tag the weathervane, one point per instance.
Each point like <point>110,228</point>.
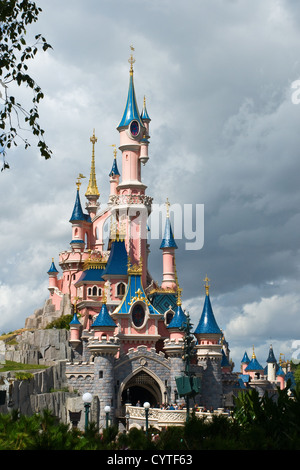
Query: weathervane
<point>168,207</point>
<point>131,59</point>
<point>115,150</point>
<point>78,182</point>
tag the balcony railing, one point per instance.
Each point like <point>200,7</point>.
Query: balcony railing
<point>160,418</point>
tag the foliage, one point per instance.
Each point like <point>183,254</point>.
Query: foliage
<point>11,365</point>
<point>23,376</point>
<point>15,17</point>
<point>257,423</point>
<point>270,421</point>
<point>61,323</point>
<point>297,376</point>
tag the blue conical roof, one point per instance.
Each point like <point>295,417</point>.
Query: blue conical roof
<point>245,359</point>
<point>145,115</point>
<point>280,371</point>
<point>131,109</point>
<point>114,170</point>
<point>207,323</point>
<point>52,268</point>
<point>168,240</point>
<point>178,319</point>
<point>104,318</point>
<point>77,211</point>
<point>271,357</point>
<point>253,364</point>
<point>75,320</point>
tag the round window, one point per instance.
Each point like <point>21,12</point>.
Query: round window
<point>138,315</point>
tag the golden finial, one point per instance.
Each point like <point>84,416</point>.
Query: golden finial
<point>206,285</point>
<point>253,354</point>
<point>168,207</point>
<point>179,290</point>
<point>75,303</point>
<point>104,296</point>
<point>115,150</point>
<point>131,60</point>
<point>78,182</point>
<point>92,189</point>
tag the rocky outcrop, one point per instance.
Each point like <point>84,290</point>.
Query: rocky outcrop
<point>43,347</point>
<point>43,316</point>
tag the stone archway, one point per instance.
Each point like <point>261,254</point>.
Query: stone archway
<point>142,386</point>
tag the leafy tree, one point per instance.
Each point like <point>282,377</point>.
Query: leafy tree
<point>15,53</point>
<point>62,322</point>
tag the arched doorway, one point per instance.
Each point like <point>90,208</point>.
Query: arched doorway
<point>142,387</point>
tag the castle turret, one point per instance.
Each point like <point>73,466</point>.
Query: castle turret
<point>272,364</point>
<point>280,377</point>
<point>244,362</point>
<point>104,346</point>
<point>173,346</point>
<point>168,247</point>
<point>79,220</point>
<point>209,354</point>
<point>52,273</point>
<point>254,369</point>
<point>132,205</point>
<point>75,330</point>
<point>114,175</point>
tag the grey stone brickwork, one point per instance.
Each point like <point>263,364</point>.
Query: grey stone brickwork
<point>211,385</point>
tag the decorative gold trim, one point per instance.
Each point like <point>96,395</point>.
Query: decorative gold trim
<point>135,268</point>
<point>139,296</point>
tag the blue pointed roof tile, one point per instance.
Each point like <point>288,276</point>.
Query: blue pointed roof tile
<point>254,365</point>
<point>75,320</point>
<point>104,318</point>
<point>271,357</point>
<point>280,371</point>
<point>52,268</point>
<point>114,170</point>
<point>245,359</point>
<point>118,258</point>
<point>178,319</point>
<point>168,240</point>
<point>77,213</point>
<point>207,323</point>
<point>145,115</point>
<point>131,111</point>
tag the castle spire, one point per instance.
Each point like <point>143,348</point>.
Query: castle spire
<point>131,112</point>
<point>92,189</point>
<point>207,323</point>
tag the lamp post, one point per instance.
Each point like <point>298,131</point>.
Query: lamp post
<point>146,407</point>
<point>107,411</point>
<point>87,400</point>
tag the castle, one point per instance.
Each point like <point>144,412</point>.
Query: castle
<point>126,333</point>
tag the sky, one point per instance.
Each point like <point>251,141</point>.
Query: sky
<point>220,80</point>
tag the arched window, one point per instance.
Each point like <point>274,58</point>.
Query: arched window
<point>169,317</point>
<point>95,291</point>
<point>99,291</point>
<point>121,289</point>
<point>89,291</point>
